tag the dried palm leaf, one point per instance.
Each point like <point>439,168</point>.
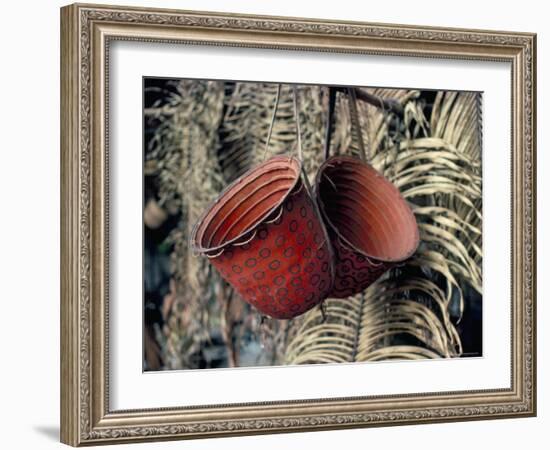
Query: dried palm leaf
<point>185,147</point>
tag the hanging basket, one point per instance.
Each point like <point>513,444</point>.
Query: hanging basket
<point>266,238</point>
<point>370,224</point>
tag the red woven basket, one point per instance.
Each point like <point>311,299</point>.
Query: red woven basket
<point>370,224</point>
<point>266,238</point>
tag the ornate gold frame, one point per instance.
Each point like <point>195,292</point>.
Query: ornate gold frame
<point>86,31</point>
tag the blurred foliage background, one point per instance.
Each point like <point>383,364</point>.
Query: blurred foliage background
<point>201,135</point>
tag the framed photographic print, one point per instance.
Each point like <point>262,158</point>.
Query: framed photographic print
<point>276,224</point>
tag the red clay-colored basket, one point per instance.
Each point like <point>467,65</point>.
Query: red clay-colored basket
<point>266,238</point>
<point>370,224</point>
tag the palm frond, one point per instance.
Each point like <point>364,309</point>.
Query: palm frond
<point>357,328</point>
<point>248,114</point>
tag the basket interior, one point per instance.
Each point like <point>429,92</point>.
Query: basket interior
<point>365,209</point>
<point>247,202</point>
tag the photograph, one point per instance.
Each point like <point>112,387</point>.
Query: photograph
<point>292,223</point>
<point>288,224</point>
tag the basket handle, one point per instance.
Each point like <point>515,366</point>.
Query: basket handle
<point>277,97</point>
<point>297,118</point>
<point>355,122</point>
<point>330,116</point>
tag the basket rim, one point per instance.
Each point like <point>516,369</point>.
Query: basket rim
<point>334,228</point>
<point>197,246</point>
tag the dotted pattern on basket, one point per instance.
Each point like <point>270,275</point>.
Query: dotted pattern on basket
<point>285,270</point>
<point>354,272</point>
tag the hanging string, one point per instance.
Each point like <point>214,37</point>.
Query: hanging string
<point>277,97</point>
<point>297,117</point>
<point>299,133</point>
<point>396,142</point>
<point>330,115</point>
<point>352,102</point>
<point>369,150</point>
<point>392,140</point>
